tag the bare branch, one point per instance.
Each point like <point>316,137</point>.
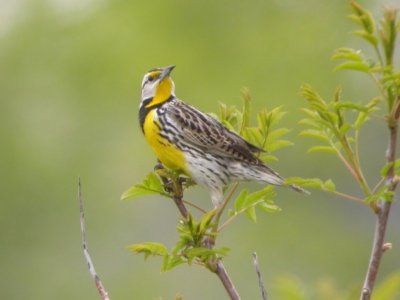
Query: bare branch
<point>377,251</point>
<point>226,281</point>
<point>264,293</point>
<point>99,285</point>
<point>378,247</point>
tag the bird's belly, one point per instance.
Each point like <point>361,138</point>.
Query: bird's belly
<point>207,170</point>
<point>169,155</point>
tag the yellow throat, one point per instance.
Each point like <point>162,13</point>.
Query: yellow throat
<point>169,155</point>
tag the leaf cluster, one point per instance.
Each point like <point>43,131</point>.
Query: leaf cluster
<point>248,202</point>
<point>381,36</point>
<point>336,124</point>
<point>264,134</point>
<point>191,247</point>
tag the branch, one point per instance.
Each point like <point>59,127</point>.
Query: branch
<point>181,207</point>
<point>218,266</point>
<point>378,247</point>
<point>264,293</point>
<point>226,281</point>
<point>99,285</point>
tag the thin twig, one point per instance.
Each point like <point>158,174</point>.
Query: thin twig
<point>380,182</point>
<point>348,165</point>
<point>264,293</point>
<point>350,197</point>
<point>233,217</point>
<point>225,203</point>
<point>194,206</point>
<point>99,285</point>
<point>382,218</point>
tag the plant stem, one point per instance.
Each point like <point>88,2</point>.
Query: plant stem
<point>218,266</point>
<point>377,251</point>
<point>181,207</point>
<point>226,281</point>
<point>99,285</point>
<point>194,206</point>
<point>224,204</point>
<point>382,217</point>
<point>350,197</point>
<point>264,293</point>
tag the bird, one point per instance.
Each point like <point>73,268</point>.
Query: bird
<point>195,143</point>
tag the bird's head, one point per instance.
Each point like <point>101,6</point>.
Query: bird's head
<point>158,86</point>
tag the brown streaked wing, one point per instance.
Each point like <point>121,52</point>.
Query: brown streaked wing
<point>206,133</point>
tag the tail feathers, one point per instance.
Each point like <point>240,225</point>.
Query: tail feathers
<point>274,178</point>
<point>261,173</point>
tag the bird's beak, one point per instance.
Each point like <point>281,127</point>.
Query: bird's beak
<point>166,71</point>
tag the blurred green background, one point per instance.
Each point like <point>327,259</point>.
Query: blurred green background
<point>70,74</point>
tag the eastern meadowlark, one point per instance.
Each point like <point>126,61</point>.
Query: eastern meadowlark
<point>195,143</point>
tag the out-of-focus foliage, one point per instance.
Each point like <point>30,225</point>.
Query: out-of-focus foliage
<point>70,74</point>
<point>289,287</point>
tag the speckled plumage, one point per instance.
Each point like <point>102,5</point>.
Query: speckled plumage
<point>187,139</point>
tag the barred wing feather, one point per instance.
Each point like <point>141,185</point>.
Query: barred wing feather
<point>203,131</point>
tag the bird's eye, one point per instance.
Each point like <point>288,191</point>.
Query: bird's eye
<point>150,78</point>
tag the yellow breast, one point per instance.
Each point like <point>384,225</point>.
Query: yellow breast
<point>167,153</point>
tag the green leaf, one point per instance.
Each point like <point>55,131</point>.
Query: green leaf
<point>385,169</point>
<point>266,192</point>
<point>314,99</point>
<point>351,106</point>
<point>206,220</point>
<point>251,213</point>
<point>231,117</point>
<point>321,149</point>
<point>200,252</point>
<point>248,202</point>
<point>149,248</point>
<point>310,123</point>
<point>277,133</point>
<point>361,119</point>
<point>309,112</point>
<point>363,17</point>
<point>372,39</point>
<point>246,109</point>
<point>355,66</point>
<point>266,157</point>
<point>228,125</point>
<point>317,134</point>
<point>382,194</point>
<point>348,54</point>
<point>344,129</point>
<point>276,145</point>
<point>170,262</point>
<point>151,185</point>
<point>269,207</point>
<point>240,200</point>
<point>267,120</point>
<point>329,186</point>
<point>254,135</point>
